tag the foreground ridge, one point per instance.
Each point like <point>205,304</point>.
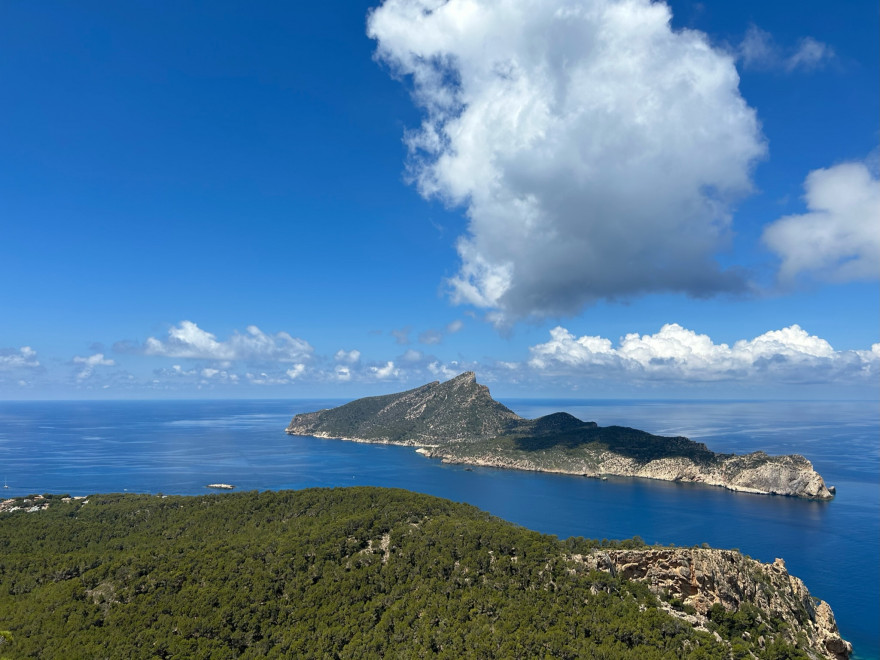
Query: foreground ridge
<point>374,572</point>
<point>459,422</point>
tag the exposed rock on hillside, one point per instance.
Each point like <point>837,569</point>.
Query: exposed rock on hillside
<point>702,578</point>
<point>459,422</point>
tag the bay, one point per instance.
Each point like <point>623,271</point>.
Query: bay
<point>178,447</point>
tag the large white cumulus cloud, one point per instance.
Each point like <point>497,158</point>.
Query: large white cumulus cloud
<point>595,149</point>
<point>678,354</point>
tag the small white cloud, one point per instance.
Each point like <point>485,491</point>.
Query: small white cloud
<point>411,355</point>
<point>385,372</point>
<point>442,371</point>
<point>810,54</point>
<point>401,336</point>
<point>209,373</point>
<point>792,342</point>
<point>89,363</point>
<point>429,337</point>
<point>265,379</point>
<point>21,358</point>
<point>188,340</point>
<point>758,50</point>
<point>678,354</point>
<point>96,360</point>
<point>348,357</point>
<point>276,378</point>
<point>436,336</point>
<point>342,374</point>
<point>838,238</point>
<point>564,348</point>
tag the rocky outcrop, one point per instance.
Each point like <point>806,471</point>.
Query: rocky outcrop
<point>696,579</point>
<point>459,422</point>
<point>781,475</point>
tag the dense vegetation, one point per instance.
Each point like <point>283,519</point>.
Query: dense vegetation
<point>323,573</point>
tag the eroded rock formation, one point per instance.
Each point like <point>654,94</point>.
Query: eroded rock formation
<point>703,577</point>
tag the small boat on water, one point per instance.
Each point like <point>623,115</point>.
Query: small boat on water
<point>221,486</point>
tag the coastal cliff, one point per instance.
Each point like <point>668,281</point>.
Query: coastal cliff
<point>702,585</point>
<point>791,475</point>
<point>459,422</point>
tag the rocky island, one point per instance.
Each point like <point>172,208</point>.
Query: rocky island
<point>459,422</point>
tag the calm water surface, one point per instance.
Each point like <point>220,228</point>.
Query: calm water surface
<point>178,447</point>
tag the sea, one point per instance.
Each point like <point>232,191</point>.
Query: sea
<point>179,447</point>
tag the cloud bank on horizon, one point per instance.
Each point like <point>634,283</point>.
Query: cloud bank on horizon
<point>676,353</point>
<point>597,152</point>
<point>193,356</point>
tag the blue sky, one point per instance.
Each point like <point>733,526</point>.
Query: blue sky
<point>585,199</point>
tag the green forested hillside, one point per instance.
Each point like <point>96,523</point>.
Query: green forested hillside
<point>324,573</point>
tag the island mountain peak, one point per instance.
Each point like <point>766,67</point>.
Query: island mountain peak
<point>457,410</point>
<point>458,421</point>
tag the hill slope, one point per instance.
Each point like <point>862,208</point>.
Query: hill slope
<point>368,572</point>
<point>459,422</point>
<point>459,409</point>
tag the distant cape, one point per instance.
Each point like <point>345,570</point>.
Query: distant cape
<point>458,421</point>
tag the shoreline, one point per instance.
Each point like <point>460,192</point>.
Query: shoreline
<point>696,476</point>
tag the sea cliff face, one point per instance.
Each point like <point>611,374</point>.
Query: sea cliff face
<point>702,577</point>
<point>752,473</point>
<point>459,422</point>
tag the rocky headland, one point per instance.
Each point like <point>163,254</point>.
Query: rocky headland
<point>459,422</point>
<point>693,581</point>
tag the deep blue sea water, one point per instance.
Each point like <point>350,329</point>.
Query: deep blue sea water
<point>178,447</point>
